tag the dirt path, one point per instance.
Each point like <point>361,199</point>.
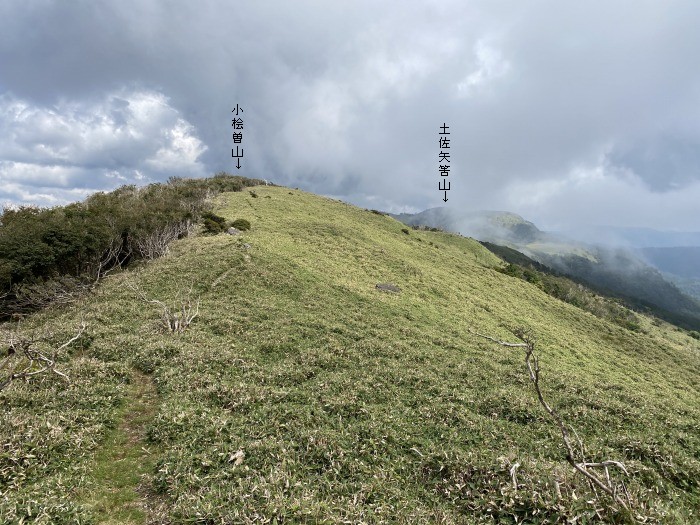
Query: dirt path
<point>124,459</point>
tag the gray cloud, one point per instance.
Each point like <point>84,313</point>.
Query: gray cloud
<point>664,163</point>
<point>561,112</point>
<point>50,154</point>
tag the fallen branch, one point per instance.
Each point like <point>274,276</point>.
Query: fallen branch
<point>580,465</point>
<point>23,360</point>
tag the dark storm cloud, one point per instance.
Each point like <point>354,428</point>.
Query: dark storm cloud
<point>563,112</point>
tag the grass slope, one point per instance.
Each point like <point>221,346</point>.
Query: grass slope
<point>303,394</point>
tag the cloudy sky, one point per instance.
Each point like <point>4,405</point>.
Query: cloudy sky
<point>568,113</point>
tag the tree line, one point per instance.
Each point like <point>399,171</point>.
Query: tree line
<point>48,255</point>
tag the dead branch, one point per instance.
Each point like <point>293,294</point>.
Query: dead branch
<point>114,257</point>
<point>512,475</point>
<point>60,290</point>
<point>156,243</point>
<point>23,360</point>
<point>578,463</point>
<point>176,319</point>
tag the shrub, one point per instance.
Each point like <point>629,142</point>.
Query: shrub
<point>213,223</point>
<point>405,230</point>
<point>241,224</point>
<point>532,277</point>
<point>423,228</point>
<point>511,270</point>
<point>215,218</point>
<point>41,247</point>
<point>213,227</point>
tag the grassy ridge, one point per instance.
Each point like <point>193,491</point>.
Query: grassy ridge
<point>303,394</point>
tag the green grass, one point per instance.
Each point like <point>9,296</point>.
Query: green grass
<point>117,494</point>
<point>301,394</point>
<point>560,248</point>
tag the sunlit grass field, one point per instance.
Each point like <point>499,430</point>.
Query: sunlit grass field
<point>302,394</point>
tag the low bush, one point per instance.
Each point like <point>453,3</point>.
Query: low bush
<point>213,227</point>
<point>423,228</point>
<point>213,223</point>
<point>214,217</point>
<point>241,224</point>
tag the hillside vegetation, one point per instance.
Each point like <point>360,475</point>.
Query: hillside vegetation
<point>50,255</point>
<point>302,394</point>
<point>614,272</point>
<point>520,265</point>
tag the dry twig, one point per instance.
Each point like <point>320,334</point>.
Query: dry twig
<point>578,463</point>
<point>512,475</point>
<point>177,319</point>
<point>23,360</point>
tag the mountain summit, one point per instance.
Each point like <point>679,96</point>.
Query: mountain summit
<point>491,225</point>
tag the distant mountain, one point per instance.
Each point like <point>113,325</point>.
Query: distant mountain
<point>492,225</point>
<point>607,268</point>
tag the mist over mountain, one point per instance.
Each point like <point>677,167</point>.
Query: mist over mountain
<point>683,261</point>
<point>676,254</point>
<point>633,237</point>
<point>483,224</point>
<point>680,265</point>
<point>615,268</point>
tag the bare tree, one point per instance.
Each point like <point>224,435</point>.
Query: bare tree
<point>156,243</point>
<point>114,256</point>
<point>23,359</point>
<point>173,319</point>
<point>576,458</point>
<point>59,290</point>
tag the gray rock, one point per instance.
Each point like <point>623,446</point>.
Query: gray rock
<point>388,287</point>
<point>233,231</point>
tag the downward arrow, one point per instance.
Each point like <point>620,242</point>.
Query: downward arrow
<point>445,199</point>
<point>238,163</point>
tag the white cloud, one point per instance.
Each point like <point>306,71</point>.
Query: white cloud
<point>123,137</point>
<point>490,65</point>
<point>603,195</point>
<point>179,152</point>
